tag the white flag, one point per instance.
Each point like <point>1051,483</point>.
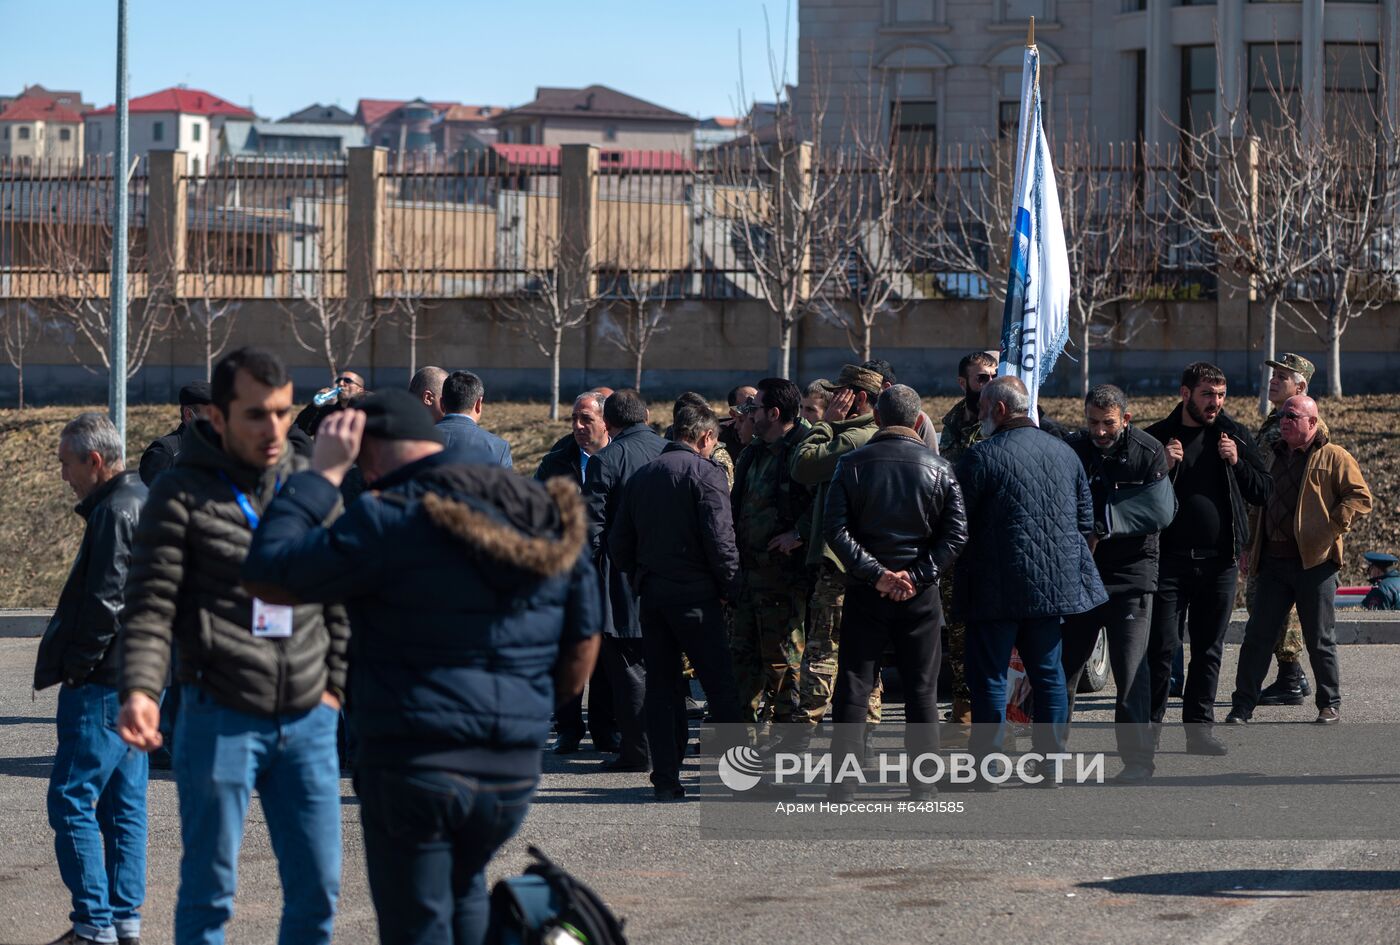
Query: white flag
<point>1035,322</point>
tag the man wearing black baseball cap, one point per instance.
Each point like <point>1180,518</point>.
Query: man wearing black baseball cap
<point>165,450</point>
<point>475,610</point>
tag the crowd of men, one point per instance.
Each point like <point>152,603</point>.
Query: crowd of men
<point>376,554</point>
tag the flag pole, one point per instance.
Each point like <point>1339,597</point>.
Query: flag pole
<point>1030,34</point>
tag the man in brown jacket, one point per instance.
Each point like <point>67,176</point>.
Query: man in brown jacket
<point>1318,493</point>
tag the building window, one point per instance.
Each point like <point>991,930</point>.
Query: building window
<point>914,124</point>
<point>1351,79</point>
<point>1274,83</point>
<point>1198,80</point>
<point>24,132</point>
<point>194,165</point>
<point>911,12</point>
<point>610,133</point>
<point>7,132</point>
<point>194,132</point>
<point>1140,95</point>
<point>65,134</point>
<point>1009,105</point>
<point>158,131</point>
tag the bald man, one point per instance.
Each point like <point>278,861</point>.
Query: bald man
<point>427,387</point>
<point>1318,493</point>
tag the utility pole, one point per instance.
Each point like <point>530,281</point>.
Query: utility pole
<point>116,381</point>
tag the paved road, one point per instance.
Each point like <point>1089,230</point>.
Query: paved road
<point>677,880</point>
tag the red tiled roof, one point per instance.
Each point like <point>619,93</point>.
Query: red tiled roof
<point>472,112</point>
<point>373,110</point>
<point>544,155</point>
<point>39,109</point>
<point>188,101</point>
<point>723,122</point>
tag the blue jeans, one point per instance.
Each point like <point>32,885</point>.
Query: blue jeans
<point>988,655</point>
<point>428,837</point>
<point>221,755</point>
<point>97,808</point>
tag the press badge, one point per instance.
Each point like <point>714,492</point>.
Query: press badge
<point>271,620</point>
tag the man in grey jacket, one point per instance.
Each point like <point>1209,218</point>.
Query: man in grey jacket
<point>262,683</point>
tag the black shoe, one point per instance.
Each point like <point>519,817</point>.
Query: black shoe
<point>566,746</point>
<point>1328,716</point>
<point>1290,688</point>
<point>667,795</point>
<point>623,766</point>
<point>1203,741</point>
<point>1236,717</point>
<point>1133,773</point>
<point>608,746</point>
<point>71,937</point>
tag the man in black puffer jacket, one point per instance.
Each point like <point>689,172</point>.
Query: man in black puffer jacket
<point>475,610</point>
<point>262,683</point>
<point>97,789</point>
<point>1027,563</point>
<point>894,516</point>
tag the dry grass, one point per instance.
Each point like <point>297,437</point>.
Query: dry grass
<point>39,533</point>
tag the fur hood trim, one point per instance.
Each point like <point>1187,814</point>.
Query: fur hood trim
<point>545,556</point>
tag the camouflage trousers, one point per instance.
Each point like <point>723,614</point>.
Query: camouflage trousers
<point>819,660</point>
<point>766,645</point>
<point>1289,648</point>
<point>956,652</point>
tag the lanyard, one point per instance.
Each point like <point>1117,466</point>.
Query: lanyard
<point>250,513</point>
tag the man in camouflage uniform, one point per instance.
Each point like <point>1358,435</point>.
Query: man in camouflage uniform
<point>1291,374</point>
<point>960,430</point>
<point>769,616</point>
<point>847,423</point>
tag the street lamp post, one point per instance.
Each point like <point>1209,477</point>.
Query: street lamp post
<point>116,382</point>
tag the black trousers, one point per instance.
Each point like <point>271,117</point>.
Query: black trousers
<point>1128,620</point>
<point>601,720</point>
<point>1205,589</point>
<point>627,675</point>
<point>1282,583</point>
<point>697,631</point>
<point>870,623</point>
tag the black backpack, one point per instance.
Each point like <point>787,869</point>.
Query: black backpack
<point>547,906</point>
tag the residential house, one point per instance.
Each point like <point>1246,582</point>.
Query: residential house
<point>308,139</point>
<point>68,99</point>
<point>597,115</point>
<point>40,129</point>
<point>713,132</point>
<point>319,114</point>
<point>465,128</point>
<point>400,125</point>
<point>178,119</point>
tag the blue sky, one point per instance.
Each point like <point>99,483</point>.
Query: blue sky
<point>281,56</point>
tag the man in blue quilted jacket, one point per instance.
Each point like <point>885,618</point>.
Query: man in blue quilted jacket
<point>1027,563</point>
<point>475,609</point>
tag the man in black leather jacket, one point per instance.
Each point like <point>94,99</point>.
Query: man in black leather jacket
<point>894,516</point>
<point>97,790</point>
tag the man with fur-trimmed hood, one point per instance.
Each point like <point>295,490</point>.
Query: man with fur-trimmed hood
<point>475,610</point>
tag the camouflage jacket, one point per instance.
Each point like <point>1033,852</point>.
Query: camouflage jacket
<point>767,502</point>
<point>959,433</point>
<point>1268,434</point>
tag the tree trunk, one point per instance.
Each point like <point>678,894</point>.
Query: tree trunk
<point>554,358</point>
<point>641,347</point>
<point>19,378</point>
<point>1084,356</point>
<point>785,348</point>
<point>1334,357</point>
<point>867,334</point>
<point>1270,342</point>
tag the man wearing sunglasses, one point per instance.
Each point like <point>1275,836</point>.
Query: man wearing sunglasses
<point>1318,494</point>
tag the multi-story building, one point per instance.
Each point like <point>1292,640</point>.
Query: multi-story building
<point>400,125</point>
<point>949,71</point>
<point>68,99</point>
<point>177,119</point>
<point>38,129</point>
<point>320,115</point>
<point>597,115</point>
<point>465,127</point>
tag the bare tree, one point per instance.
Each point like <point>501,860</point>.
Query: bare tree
<point>324,319</point>
<point>1111,242</point>
<point>642,284</point>
<point>781,192</point>
<point>1256,196</point>
<point>411,273</point>
<point>880,224</point>
<point>212,255</point>
<point>969,207</point>
<point>20,326</point>
<point>559,293</point>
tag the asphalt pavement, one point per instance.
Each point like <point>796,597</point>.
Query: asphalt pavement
<point>677,879</point>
